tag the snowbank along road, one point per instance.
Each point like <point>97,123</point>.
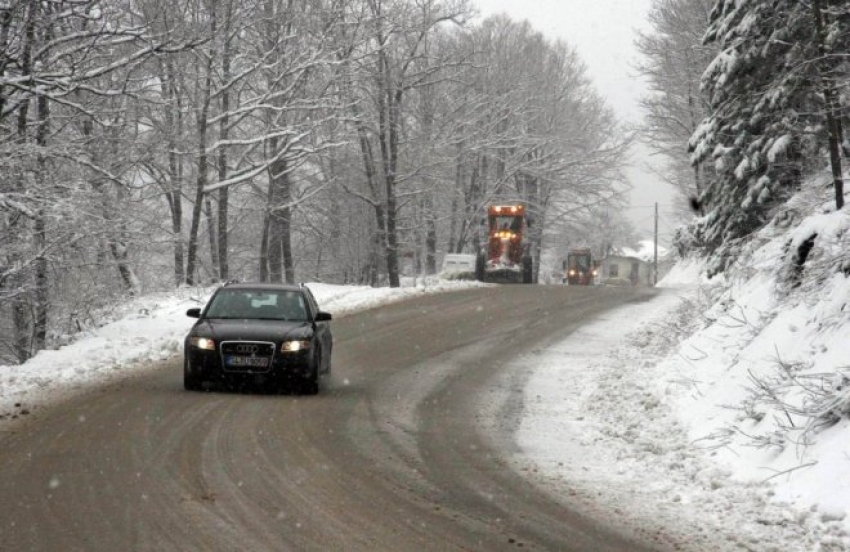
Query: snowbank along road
<point>390,456</point>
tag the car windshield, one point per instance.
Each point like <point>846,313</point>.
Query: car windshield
<point>582,262</point>
<point>263,305</point>
<point>502,222</point>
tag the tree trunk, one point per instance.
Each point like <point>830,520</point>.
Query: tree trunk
<point>430,235</point>
<point>275,253</point>
<point>430,217</point>
<point>224,135</point>
<point>175,204</point>
<point>370,171</point>
<point>201,181</point>
<point>211,235</point>
<point>20,322</point>
<point>280,219</point>
<point>128,278</point>
<point>535,208</point>
<point>42,290</point>
<point>833,123</point>
<point>173,188</point>
<point>264,247</point>
<point>430,245</point>
<point>118,241</point>
<point>42,293</point>
<point>474,206</point>
<point>223,262</point>
<point>418,250</point>
<point>458,190</point>
<point>20,300</point>
<point>373,267</point>
<point>277,236</point>
<point>389,129</point>
<point>273,258</point>
<point>286,226</point>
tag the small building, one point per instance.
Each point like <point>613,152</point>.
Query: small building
<point>626,270</point>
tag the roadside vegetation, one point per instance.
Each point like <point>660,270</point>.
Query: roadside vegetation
<point>161,144</point>
<point>750,106</point>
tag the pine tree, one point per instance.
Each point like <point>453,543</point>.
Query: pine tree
<point>768,115</point>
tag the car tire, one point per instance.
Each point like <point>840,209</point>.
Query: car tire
<point>191,382</point>
<point>327,371</point>
<point>310,385</point>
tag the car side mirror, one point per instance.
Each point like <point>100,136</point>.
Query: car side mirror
<point>193,313</point>
<point>322,316</point>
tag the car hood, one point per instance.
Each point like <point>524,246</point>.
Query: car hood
<point>252,330</point>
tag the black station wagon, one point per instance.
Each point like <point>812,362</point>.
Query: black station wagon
<point>268,334</point>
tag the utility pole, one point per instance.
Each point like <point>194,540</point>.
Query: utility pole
<point>655,250</point>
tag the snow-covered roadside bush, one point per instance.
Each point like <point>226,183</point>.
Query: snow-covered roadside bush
<point>84,322</point>
<point>765,382</point>
<point>688,318</point>
<point>611,424</point>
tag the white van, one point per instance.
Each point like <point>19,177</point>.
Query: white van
<point>457,263</point>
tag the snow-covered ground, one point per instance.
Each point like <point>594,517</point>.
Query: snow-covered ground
<point>717,415</point>
<point>152,328</point>
<point>608,423</point>
<point>714,417</point>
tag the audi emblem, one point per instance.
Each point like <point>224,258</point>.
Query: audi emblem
<point>247,349</point>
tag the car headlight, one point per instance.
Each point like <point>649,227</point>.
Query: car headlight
<point>294,346</point>
<point>204,343</point>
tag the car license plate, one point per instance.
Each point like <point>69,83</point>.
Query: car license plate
<point>247,362</point>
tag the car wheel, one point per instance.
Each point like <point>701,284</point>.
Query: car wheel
<point>310,385</point>
<point>191,382</point>
<point>327,371</point>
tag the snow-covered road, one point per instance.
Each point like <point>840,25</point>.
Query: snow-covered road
<point>602,423</point>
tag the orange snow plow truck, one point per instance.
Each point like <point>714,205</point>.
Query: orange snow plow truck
<point>507,255</point>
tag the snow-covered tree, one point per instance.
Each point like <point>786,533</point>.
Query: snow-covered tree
<point>390,69</point>
<point>770,114</point>
<point>65,69</point>
<point>171,143</point>
<point>534,131</point>
<point>674,58</point>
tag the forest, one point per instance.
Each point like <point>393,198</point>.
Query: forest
<point>749,99</point>
<point>150,144</point>
<point>153,144</point>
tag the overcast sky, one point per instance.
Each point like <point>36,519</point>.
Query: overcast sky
<point>603,33</point>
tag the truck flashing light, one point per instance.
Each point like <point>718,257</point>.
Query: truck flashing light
<point>511,208</point>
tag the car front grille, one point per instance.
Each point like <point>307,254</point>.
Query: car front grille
<point>247,356</point>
